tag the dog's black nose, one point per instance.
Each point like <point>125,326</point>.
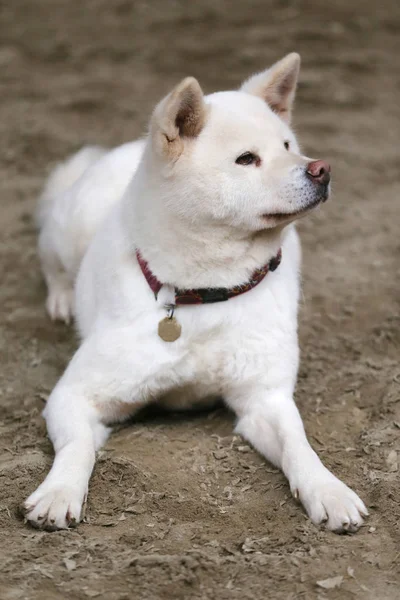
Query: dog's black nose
<point>319,171</point>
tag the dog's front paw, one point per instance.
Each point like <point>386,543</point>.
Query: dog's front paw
<point>52,508</point>
<point>328,500</point>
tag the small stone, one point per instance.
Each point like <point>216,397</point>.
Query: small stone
<point>392,461</point>
<point>220,454</point>
<point>244,449</point>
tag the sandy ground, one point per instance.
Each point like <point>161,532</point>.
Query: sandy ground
<point>179,507</point>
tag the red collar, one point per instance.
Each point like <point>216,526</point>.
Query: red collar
<point>209,295</point>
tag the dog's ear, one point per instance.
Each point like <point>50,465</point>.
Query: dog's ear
<point>179,117</point>
<point>277,85</point>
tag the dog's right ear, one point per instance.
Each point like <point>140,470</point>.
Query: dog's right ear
<point>178,118</point>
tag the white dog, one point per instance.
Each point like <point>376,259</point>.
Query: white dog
<point>173,246</point>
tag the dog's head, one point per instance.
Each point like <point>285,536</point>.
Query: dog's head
<point>232,157</point>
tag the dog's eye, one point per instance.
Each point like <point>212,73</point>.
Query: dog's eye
<point>247,158</point>
<point>287,145</point>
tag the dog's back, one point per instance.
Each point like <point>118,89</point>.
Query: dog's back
<point>63,177</point>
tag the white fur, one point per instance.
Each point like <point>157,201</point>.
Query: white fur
<point>199,219</point>
<point>76,199</point>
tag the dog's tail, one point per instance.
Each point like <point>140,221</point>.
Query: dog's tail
<point>63,176</point>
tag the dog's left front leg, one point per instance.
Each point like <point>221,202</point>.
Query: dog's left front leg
<point>271,422</point>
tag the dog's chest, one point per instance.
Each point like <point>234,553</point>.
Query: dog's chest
<point>224,346</point>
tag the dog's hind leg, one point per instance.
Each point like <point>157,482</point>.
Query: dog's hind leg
<point>56,240</point>
<point>270,421</point>
<point>60,283</point>
<point>60,297</point>
<point>98,387</point>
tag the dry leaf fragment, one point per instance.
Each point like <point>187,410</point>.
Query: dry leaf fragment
<point>69,563</point>
<point>331,582</point>
<point>135,510</point>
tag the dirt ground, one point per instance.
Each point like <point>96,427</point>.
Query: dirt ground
<point>179,507</point>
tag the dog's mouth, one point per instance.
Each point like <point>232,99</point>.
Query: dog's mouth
<point>290,216</point>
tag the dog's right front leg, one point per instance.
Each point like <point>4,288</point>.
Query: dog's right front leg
<point>76,413</point>
<point>76,432</point>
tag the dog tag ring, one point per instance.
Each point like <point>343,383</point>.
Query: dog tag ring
<point>169,329</point>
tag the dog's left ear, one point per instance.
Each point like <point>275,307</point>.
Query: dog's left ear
<point>277,85</point>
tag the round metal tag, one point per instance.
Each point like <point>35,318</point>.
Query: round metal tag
<point>169,329</point>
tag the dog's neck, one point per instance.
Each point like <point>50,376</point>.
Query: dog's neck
<point>186,256</point>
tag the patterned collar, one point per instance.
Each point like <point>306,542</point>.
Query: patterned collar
<point>209,295</point>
